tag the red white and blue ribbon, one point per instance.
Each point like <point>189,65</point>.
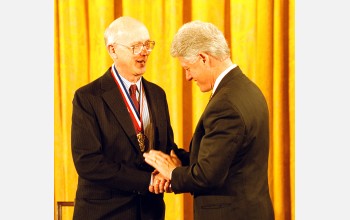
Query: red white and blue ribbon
<point>135,116</point>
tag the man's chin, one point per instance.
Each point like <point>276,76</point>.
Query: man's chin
<point>139,73</point>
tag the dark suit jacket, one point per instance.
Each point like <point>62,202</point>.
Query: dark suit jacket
<point>229,151</point>
<point>113,177</point>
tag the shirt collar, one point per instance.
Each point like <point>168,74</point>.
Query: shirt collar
<point>221,76</point>
<point>128,84</point>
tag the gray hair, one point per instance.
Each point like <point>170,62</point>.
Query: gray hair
<point>197,36</point>
<point>119,25</point>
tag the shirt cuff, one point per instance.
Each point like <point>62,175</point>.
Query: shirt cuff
<point>171,174</point>
<point>151,182</point>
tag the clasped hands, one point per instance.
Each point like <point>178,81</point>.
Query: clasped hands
<point>164,165</point>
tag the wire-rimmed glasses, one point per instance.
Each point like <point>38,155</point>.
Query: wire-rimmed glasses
<point>137,48</point>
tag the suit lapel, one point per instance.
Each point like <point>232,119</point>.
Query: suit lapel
<point>115,102</point>
<point>150,100</point>
<point>199,130</point>
<point>152,103</point>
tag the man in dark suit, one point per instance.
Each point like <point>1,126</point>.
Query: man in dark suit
<point>110,131</point>
<point>227,172</point>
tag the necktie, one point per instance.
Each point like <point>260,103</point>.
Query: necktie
<point>132,90</point>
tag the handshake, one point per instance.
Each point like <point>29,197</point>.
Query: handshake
<point>164,165</point>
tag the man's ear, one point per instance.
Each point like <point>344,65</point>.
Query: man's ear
<point>112,51</point>
<point>203,56</point>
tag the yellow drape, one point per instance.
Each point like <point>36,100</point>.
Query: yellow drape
<point>261,38</point>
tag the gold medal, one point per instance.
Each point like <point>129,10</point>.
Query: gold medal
<point>142,139</point>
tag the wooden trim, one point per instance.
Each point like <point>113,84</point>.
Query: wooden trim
<point>60,204</point>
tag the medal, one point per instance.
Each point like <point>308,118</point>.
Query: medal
<point>142,139</point>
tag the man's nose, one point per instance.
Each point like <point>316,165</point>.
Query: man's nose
<point>144,50</point>
<point>188,76</point>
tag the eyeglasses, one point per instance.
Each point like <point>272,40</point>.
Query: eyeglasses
<point>137,48</point>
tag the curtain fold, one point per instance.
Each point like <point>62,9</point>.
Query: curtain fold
<point>261,38</point>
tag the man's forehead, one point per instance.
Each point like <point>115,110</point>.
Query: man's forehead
<point>133,36</point>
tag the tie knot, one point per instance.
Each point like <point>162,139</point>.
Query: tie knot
<point>133,89</point>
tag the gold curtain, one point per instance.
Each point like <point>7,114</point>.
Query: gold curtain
<point>261,38</point>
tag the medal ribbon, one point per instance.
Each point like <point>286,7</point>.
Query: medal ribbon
<point>135,116</point>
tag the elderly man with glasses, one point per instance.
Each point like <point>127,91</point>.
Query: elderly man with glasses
<point>111,128</point>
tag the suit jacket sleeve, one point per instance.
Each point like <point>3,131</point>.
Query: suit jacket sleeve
<point>218,128</point>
